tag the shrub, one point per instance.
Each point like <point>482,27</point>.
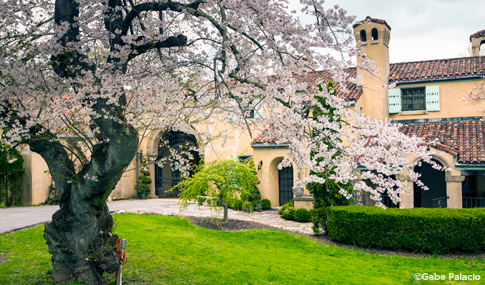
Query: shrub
<point>252,196</point>
<point>301,215</point>
<point>235,204</point>
<point>11,173</point>
<point>319,219</point>
<point>265,204</point>
<point>439,230</point>
<point>288,213</point>
<point>257,206</point>
<point>247,206</point>
<point>288,205</point>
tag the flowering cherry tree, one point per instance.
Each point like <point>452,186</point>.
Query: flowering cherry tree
<point>81,81</point>
<point>477,94</point>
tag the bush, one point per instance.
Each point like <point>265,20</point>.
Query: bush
<point>290,204</point>
<point>253,196</point>
<point>301,215</point>
<point>439,230</point>
<point>247,206</point>
<point>257,206</point>
<point>265,204</point>
<point>319,219</point>
<point>235,204</point>
<point>11,173</point>
<point>288,213</point>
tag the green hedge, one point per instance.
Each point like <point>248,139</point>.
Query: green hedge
<point>420,229</point>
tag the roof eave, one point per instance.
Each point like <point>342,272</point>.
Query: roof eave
<point>447,78</point>
<point>269,145</point>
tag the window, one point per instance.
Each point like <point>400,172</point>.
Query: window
<point>363,36</point>
<point>374,34</point>
<point>413,99</point>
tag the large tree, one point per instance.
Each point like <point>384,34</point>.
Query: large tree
<point>81,81</point>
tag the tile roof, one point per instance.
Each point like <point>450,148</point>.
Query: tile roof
<point>465,138</point>
<point>373,20</point>
<point>268,136</point>
<point>437,69</point>
<point>478,34</point>
<point>318,77</point>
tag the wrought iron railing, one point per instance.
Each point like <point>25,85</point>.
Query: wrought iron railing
<point>441,202</point>
<point>473,202</point>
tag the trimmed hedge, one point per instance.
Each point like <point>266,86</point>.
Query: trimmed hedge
<point>437,230</point>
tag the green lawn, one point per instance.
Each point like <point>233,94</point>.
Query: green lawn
<point>169,250</point>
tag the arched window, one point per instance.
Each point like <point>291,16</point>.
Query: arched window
<point>374,34</point>
<point>482,47</point>
<point>363,36</point>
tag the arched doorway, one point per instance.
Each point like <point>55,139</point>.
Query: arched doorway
<point>434,179</point>
<point>285,184</point>
<point>165,177</point>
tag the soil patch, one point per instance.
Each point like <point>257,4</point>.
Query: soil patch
<point>238,225</point>
<point>230,225</point>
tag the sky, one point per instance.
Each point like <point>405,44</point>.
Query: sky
<point>422,29</point>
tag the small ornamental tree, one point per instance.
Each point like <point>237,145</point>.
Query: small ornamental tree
<point>144,177</point>
<point>11,171</point>
<point>222,180</point>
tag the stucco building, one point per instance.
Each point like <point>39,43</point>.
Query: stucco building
<point>427,100</point>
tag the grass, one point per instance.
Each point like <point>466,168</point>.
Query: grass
<point>169,250</point>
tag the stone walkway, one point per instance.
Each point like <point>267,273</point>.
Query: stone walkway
<point>12,219</point>
<point>172,207</point>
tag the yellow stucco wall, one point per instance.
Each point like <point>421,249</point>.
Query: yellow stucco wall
<point>374,98</point>
<point>36,179</point>
<point>451,101</point>
<point>373,102</point>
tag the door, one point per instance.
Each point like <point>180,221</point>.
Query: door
<point>285,184</point>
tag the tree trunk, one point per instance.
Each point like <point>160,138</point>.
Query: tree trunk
<point>226,211</point>
<point>80,241</point>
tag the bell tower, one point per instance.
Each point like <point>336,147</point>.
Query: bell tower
<point>373,36</point>
<point>477,40</point>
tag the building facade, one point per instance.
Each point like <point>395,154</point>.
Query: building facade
<point>427,100</point>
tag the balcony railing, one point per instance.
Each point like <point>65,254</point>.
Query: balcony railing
<point>473,202</point>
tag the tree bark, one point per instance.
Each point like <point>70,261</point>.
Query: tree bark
<point>226,208</point>
<point>80,241</point>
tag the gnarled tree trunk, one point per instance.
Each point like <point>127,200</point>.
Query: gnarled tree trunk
<point>80,241</point>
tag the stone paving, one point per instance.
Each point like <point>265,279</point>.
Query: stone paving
<point>172,207</point>
<point>12,219</point>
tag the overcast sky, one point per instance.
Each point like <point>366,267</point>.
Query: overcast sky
<point>422,29</point>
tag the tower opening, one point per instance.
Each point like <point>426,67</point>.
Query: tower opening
<point>363,36</point>
<point>374,34</point>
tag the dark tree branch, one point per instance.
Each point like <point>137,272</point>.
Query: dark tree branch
<point>177,41</point>
<point>156,7</point>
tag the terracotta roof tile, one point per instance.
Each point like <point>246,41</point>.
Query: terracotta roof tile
<point>438,68</point>
<point>322,77</point>
<point>478,34</point>
<point>462,138</point>
<point>373,20</point>
<point>269,136</point>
